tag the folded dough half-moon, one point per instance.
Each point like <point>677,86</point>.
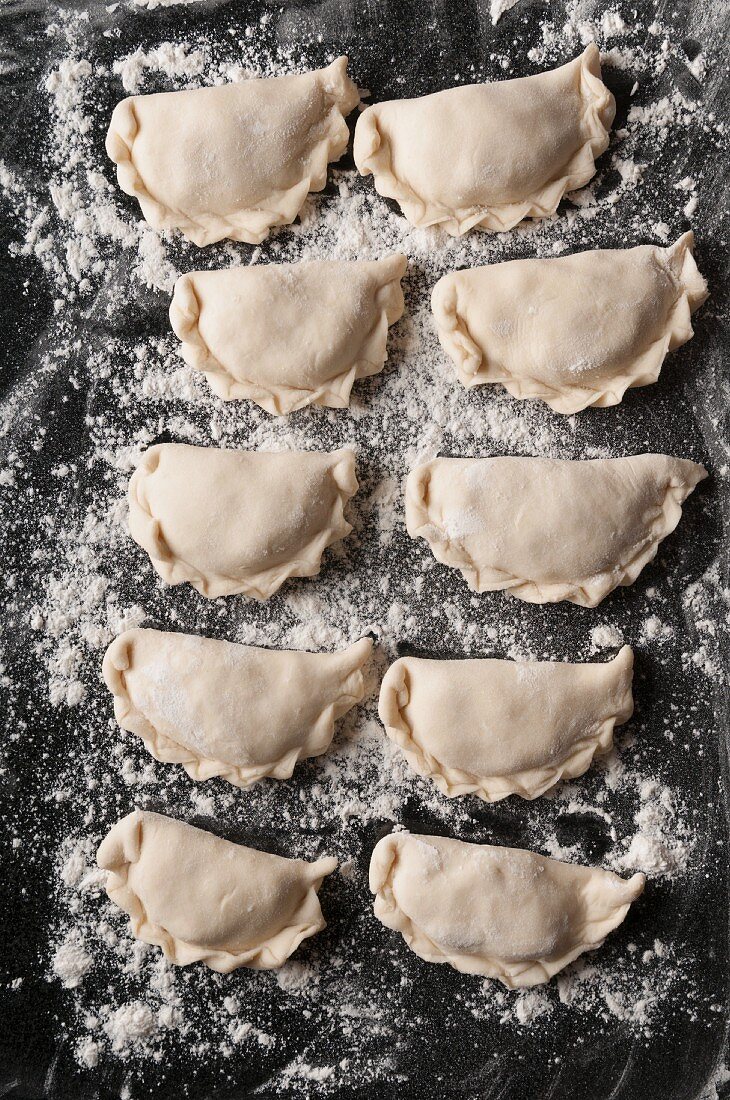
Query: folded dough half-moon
<point>235,711</point>
<point>573,330</point>
<point>545,529</point>
<point>232,160</point>
<point>501,912</point>
<point>238,521</point>
<point>489,155</point>
<point>496,728</point>
<point>204,899</point>
<point>289,335</point>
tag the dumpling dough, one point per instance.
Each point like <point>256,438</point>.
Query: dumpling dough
<point>288,335</point>
<point>501,912</point>
<point>548,530</point>
<point>495,728</point>
<point>574,331</point>
<point>231,710</point>
<point>238,521</point>
<point>231,161</point>
<point>204,899</point>
<point>489,155</point>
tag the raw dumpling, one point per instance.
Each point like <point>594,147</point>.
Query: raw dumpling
<point>489,155</point>
<point>500,912</point>
<point>204,899</point>
<point>544,529</point>
<point>231,710</point>
<point>495,728</point>
<point>238,521</point>
<point>232,160</point>
<point>288,335</point>
<point>573,331</point>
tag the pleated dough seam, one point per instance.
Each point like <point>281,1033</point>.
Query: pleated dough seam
<point>261,585</point>
<point>167,750</point>
<point>498,217</point>
<point>590,590</point>
<point>470,360</point>
<point>183,953</point>
<point>240,225</point>
<point>283,398</point>
<point>454,782</point>
<point>258,586</point>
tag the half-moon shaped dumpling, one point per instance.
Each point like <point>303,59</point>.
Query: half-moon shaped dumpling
<point>495,728</point>
<point>232,160</point>
<point>238,521</point>
<point>204,899</point>
<point>231,710</point>
<point>501,912</point>
<point>545,529</point>
<point>573,330</point>
<point>289,335</point>
<point>489,155</point>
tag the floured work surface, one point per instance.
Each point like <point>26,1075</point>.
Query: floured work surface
<point>94,376</point>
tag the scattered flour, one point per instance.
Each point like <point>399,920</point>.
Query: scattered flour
<point>604,636</point>
<point>531,1006</point>
<point>130,1025</point>
<point>152,4</point>
<point>661,846</point>
<point>72,961</point>
<point>170,59</point>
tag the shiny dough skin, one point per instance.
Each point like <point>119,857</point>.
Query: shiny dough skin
<point>235,711</point>
<point>238,521</point>
<point>489,155</point>
<point>288,335</point>
<point>574,330</point>
<point>503,913</point>
<point>545,529</point>
<point>203,899</point>
<point>495,728</point>
<point>232,160</point>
